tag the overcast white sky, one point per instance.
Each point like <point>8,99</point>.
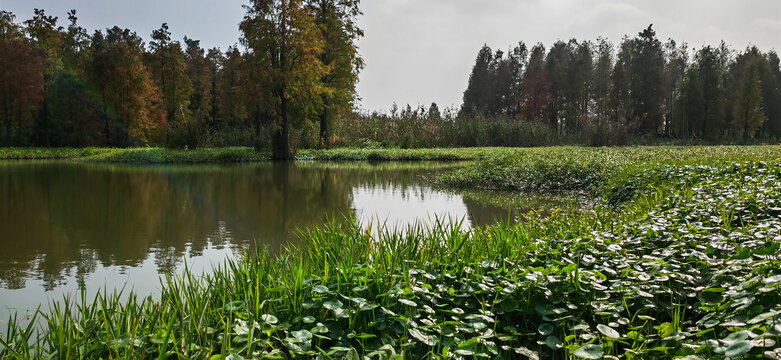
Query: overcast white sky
<point>420,51</point>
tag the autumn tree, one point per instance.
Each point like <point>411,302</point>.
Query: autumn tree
<point>231,90</point>
<point>199,72</point>
<point>124,84</point>
<point>284,52</point>
<point>337,22</point>
<point>214,63</point>
<point>21,83</point>
<point>46,37</point>
<point>166,61</point>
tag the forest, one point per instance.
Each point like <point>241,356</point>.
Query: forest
<point>291,84</point>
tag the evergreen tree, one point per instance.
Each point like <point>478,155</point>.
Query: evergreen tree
<point>693,105</point>
<point>676,59</point>
<point>479,91</point>
<point>748,112</point>
<point>501,86</point>
<point>646,81</point>
<point>556,64</point>
<point>600,81</point>
<point>433,112</point>
<point>620,100</point>
<point>517,59</point>
<point>576,91</point>
<point>771,90</point>
<point>200,76</point>
<point>536,87</point>
<point>711,67</point>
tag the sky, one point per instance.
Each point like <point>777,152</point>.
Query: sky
<point>421,51</point>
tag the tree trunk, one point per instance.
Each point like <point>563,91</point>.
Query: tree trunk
<point>281,141</point>
<point>325,136</point>
<point>258,130</point>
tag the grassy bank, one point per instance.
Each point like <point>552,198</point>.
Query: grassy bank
<point>596,169</point>
<point>235,155</point>
<point>689,266</point>
<point>504,168</point>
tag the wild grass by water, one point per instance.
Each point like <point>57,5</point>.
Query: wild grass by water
<point>236,155</point>
<point>507,168</point>
<point>688,266</point>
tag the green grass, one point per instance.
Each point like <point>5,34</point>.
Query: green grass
<point>235,155</point>
<point>135,155</point>
<point>685,265</point>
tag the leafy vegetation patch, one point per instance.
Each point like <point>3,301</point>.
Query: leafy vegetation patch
<point>689,269</point>
<point>591,169</point>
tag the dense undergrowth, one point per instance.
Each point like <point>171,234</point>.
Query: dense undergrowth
<point>686,263</point>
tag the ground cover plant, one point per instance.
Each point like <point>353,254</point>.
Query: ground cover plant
<point>686,263</point>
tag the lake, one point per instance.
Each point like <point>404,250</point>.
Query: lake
<point>71,226</point>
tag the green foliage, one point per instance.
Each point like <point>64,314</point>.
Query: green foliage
<point>589,169</point>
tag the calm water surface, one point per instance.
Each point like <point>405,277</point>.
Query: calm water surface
<point>66,227</point>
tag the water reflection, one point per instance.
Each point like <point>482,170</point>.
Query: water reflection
<point>69,226</point>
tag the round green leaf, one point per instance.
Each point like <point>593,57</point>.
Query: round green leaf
<point>608,331</point>
<point>738,348</point>
<point>408,302</point>
<point>333,304</point>
<point>270,319</point>
<point>590,351</point>
<point>545,329</point>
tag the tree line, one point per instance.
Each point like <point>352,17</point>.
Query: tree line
<point>642,88</point>
<point>292,83</point>
<point>62,86</point>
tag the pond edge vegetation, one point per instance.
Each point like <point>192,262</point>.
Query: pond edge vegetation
<point>681,261</point>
